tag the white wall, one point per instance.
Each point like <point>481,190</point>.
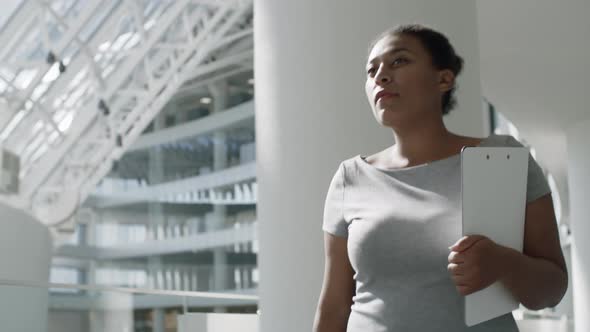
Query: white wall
<point>535,69</point>
<point>578,164</point>
<point>312,113</point>
<point>215,322</point>
<point>25,253</point>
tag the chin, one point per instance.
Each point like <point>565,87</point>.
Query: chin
<point>389,117</point>
<point>386,112</point>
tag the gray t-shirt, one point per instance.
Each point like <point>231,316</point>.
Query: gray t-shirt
<point>399,224</point>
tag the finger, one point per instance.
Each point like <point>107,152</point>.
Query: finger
<point>466,242</point>
<point>455,269</point>
<point>463,290</point>
<point>456,257</point>
<point>460,280</point>
<point>457,243</point>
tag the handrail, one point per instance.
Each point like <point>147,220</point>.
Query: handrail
<point>212,295</point>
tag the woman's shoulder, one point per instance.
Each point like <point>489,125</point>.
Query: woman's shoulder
<point>378,158</point>
<point>503,140</point>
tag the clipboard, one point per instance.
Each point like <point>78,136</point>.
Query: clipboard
<point>493,195</point>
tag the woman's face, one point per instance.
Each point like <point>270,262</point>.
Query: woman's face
<point>401,69</point>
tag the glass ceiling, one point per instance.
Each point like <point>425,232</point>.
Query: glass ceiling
<point>80,79</point>
<point>42,92</point>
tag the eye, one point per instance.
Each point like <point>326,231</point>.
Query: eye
<point>399,59</point>
<point>370,71</point>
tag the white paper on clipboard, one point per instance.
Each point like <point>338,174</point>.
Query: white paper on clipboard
<point>493,192</point>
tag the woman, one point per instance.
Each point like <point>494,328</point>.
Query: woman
<point>395,260</point>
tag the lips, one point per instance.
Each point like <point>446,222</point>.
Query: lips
<point>384,93</point>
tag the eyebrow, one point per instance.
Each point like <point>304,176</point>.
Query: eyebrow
<point>395,50</point>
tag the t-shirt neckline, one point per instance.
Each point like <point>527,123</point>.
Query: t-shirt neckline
<point>423,165</point>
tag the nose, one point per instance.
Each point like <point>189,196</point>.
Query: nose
<point>382,77</point>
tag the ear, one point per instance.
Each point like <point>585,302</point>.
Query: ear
<point>446,80</point>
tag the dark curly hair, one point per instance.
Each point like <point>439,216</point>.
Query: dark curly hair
<point>441,52</point>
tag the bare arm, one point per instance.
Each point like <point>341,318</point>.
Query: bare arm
<point>538,278</point>
<point>338,287</point>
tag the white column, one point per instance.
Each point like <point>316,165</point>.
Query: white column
<point>579,190</point>
<point>216,219</point>
<point>159,320</point>
<point>154,269</point>
<point>112,312</point>
<point>312,113</point>
<point>157,218</point>
<point>25,253</point>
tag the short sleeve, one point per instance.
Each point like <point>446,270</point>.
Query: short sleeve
<point>334,221</point>
<point>537,185</point>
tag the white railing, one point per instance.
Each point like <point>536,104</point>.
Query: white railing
<point>107,308</point>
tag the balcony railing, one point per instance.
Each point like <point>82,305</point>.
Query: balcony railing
<point>34,307</point>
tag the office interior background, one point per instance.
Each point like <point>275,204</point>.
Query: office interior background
<point>165,163</point>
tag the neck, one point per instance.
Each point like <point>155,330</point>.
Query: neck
<point>427,141</point>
